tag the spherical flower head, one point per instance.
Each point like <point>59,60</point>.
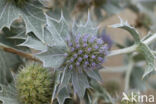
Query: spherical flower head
<point>34,85</point>
<point>90,52</point>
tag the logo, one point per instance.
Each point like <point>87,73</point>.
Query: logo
<point>138,98</point>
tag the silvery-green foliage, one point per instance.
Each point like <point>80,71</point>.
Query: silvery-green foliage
<point>136,81</point>
<point>30,11</point>
<point>6,66</point>
<point>13,36</point>
<point>8,94</point>
<point>149,57</point>
<point>141,46</point>
<point>10,62</point>
<point>130,29</point>
<point>100,94</point>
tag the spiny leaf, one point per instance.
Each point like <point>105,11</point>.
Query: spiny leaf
<point>18,29</point>
<point>66,76</point>
<point>150,60</point>
<point>80,83</point>
<point>136,81</point>
<point>31,13</point>
<point>57,77</point>
<point>101,93</point>
<point>8,94</point>
<point>6,37</point>
<point>9,62</point>
<point>93,74</point>
<point>34,43</point>
<point>63,95</point>
<point>53,57</point>
<point>130,29</point>
<point>54,46</point>
<point>60,25</point>
<point>87,28</point>
<point>52,36</point>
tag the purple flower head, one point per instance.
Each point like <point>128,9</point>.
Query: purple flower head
<point>85,45</point>
<point>93,56</point>
<point>70,44</point>
<point>89,49</point>
<point>85,56</point>
<point>88,53</point>
<point>101,51</point>
<point>85,38</point>
<point>77,38</point>
<point>77,45</point>
<point>105,47</point>
<point>86,62</point>
<point>93,64</point>
<point>92,39</point>
<point>72,59</point>
<point>71,66</point>
<point>65,54</point>
<point>80,52</point>
<point>100,58</point>
<point>75,55</point>
<point>96,47</point>
<point>79,59</point>
<point>77,63</point>
<point>72,49</point>
<point>106,38</point>
<point>99,41</point>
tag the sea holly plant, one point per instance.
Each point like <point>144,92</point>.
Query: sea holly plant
<point>78,52</point>
<point>75,53</point>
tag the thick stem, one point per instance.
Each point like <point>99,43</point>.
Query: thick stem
<point>132,48</point>
<point>150,39</point>
<point>18,52</point>
<point>123,51</point>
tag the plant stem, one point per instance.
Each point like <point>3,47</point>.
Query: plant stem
<point>150,39</point>
<point>123,51</point>
<point>18,52</point>
<point>132,48</point>
<point>154,52</point>
<point>128,74</point>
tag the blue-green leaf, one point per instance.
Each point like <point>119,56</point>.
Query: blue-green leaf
<point>130,29</point>
<point>8,61</point>
<point>87,28</point>
<point>53,57</point>
<point>34,43</point>
<point>63,95</point>
<point>53,45</point>
<point>80,83</point>
<point>150,60</point>
<point>66,76</point>
<point>8,94</point>
<point>93,74</point>
<point>31,13</point>
<point>61,26</point>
